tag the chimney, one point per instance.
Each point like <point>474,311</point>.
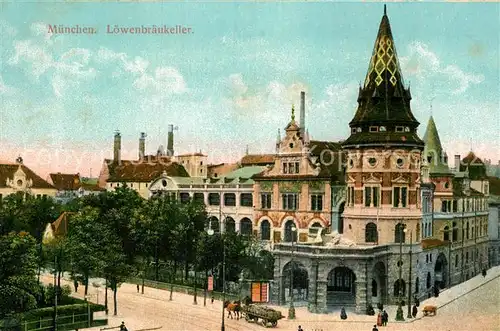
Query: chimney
<point>457,163</point>
<point>302,113</point>
<point>142,146</point>
<point>117,150</point>
<point>170,140</point>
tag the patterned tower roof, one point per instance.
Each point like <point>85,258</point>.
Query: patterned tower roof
<point>433,151</point>
<point>383,100</point>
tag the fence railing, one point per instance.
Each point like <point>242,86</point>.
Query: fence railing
<point>65,322</point>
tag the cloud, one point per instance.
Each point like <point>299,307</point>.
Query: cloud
<point>41,29</point>
<point>67,71</point>
<point>6,29</point>
<point>425,65</point>
<point>5,89</point>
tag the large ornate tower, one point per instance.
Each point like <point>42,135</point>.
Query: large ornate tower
<point>383,153</point>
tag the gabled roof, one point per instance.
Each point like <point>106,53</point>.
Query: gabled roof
<point>60,225</point>
<point>475,166</point>
<point>143,171</point>
<point>7,171</point>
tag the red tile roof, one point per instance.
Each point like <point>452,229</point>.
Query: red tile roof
<point>137,171</point>
<point>65,182</point>
<point>257,159</point>
<point>7,172</point>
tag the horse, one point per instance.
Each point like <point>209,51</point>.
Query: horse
<point>233,307</point>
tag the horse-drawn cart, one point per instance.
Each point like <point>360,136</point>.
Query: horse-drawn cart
<point>266,314</point>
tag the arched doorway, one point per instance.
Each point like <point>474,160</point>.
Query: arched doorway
<point>340,228</point>
<point>341,288</point>
<point>246,227</point>
<point>289,234</point>
<point>441,271</point>
<point>300,283</point>
<point>379,288</point>
<point>230,225</point>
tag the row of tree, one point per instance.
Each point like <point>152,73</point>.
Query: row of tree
<point>117,234</point>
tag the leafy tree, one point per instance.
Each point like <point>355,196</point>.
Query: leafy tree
<point>86,235</point>
<point>18,285</point>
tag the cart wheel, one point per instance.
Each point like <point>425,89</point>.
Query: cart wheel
<point>274,323</point>
<point>264,323</point>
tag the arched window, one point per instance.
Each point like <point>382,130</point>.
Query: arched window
<point>371,235</point>
<point>230,225</point>
<point>417,282</point>
<point>246,227</point>
<point>265,230</point>
<point>374,288</point>
<point>399,234</point>
<point>446,233</point>
<point>399,287</point>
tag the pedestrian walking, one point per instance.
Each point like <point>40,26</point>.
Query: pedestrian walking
<point>137,288</point>
<point>385,318</point>
<point>300,328</point>
<point>414,311</point>
<point>343,314</point>
<point>123,327</point>
<point>374,328</point>
<point>417,302</point>
<point>379,319</point>
<point>75,283</point>
<point>484,272</point>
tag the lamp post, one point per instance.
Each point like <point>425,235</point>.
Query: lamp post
<point>291,309</point>
<point>210,232</point>
<point>55,293</point>
<point>399,313</point>
<point>409,279</point>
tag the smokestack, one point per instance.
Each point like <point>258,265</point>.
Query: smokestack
<point>457,163</point>
<point>117,150</point>
<point>170,140</point>
<point>142,145</point>
<point>302,113</point>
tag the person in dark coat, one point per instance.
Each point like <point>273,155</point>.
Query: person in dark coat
<point>417,302</point>
<point>75,283</point>
<point>343,314</point>
<point>414,311</point>
<point>123,327</point>
<point>374,328</point>
<point>484,272</point>
<point>300,328</point>
<point>137,288</point>
<point>385,318</point>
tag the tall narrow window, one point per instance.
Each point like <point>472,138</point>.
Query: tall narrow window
<point>297,167</point>
<point>316,202</point>
<point>404,197</point>
<point>368,196</point>
<point>396,196</point>
<point>290,201</point>
<point>265,200</point>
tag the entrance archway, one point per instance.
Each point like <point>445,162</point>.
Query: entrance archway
<point>379,286</point>
<point>300,283</point>
<point>213,223</point>
<point>441,271</point>
<point>341,287</point>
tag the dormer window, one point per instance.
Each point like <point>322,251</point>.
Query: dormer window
<point>373,128</point>
<point>358,129</point>
<point>399,129</point>
<point>353,130</point>
<point>382,129</point>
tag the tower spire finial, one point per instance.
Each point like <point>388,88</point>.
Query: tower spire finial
<point>293,112</point>
<point>385,9</point>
